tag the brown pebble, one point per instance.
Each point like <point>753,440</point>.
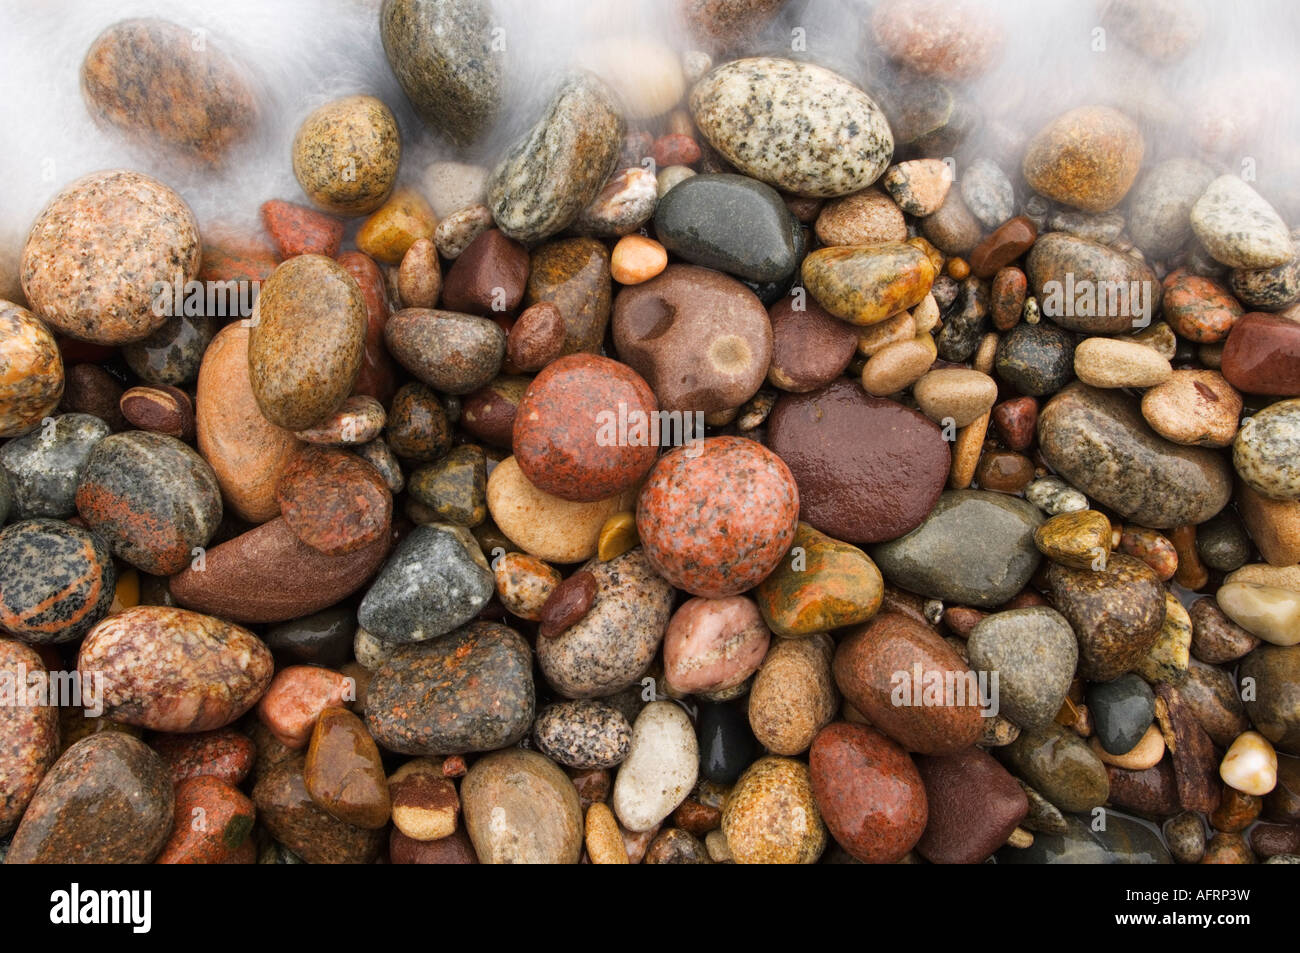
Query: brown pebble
<point>159,408</point>
<point>537,337</point>
<point>962,619</point>
<point>1007,299</point>
<point>89,389</point>
<point>567,604</point>
<point>1016,421</point>
<point>1004,471</point>
<point>419,277</point>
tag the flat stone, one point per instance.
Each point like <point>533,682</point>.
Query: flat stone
<point>520,808</point>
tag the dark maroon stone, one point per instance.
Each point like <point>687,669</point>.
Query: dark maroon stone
<point>1152,791</point>
<point>810,348</point>
<point>868,469</point>
<point>1262,355</point>
<point>975,804</point>
<point>492,261</point>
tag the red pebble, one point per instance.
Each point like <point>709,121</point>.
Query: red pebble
<point>1016,421</point>
<point>301,231</point>
<point>675,149</point>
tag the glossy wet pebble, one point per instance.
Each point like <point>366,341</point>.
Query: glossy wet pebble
<point>583,734</point>
<point>772,817</point>
<point>1033,651</point>
<point>521,809</point>
<point>56,580</point>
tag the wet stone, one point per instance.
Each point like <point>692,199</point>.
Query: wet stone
<point>45,466</point>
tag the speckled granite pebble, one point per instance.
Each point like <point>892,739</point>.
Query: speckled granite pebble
<point>31,370</point>
<point>29,736</point>
<point>131,232</point>
<point>583,734</point>
<point>771,815</point>
<point>797,126</point>
<point>1266,452</point>
<point>471,690</point>
<point>45,466</point>
<point>358,134</point>
<point>56,580</point>
<point>334,501</point>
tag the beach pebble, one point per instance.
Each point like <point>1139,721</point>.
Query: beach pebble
<point>864,284</point>
<point>1250,765</point>
<point>660,769</point>
<point>1087,157</point>
<point>955,395</point>
<point>1060,765</point>
<point>919,186</point>
<point>1266,451</point>
<point>29,736</point>
<point>794,695</point>
<point>44,467</point>
<point>343,772</point>
<point>520,808</point>
<point>583,734</point>
<point>772,816</point>
<point>1160,206</point>
<point>1193,408</point>
<point>357,133</point>
<point>1033,651</point>
<point>285,808</point>
<point>711,645</point>
<point>974,805</point>
<point>1116,612</point>
<point>545,526</point>
<point>1239,228</point>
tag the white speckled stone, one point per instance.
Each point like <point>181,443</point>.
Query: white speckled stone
<point>793,125</point>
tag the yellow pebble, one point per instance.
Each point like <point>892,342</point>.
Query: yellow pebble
<point>127,594</point>
<point>957,268</point>
<point>617,536</point>
<point>397,225</point>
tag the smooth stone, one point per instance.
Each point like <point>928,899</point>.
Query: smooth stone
<point>1270,613</point>
<point>1033,650</point>
<point>987,192</point>
<point>358,134</point>
<point>543,525</point>
<point>701,339</point>
<point>863,218</point>
<point>868,792</point>
<point>286,809</point>
<point>1216,639</point>
<point>56,580</point>
<point>1112,363</point>
<point>298,230</point>
<point>574,275</point>
<point>583,734</point>
<point>566,434</point>
<point>823,585</point>
<point>715,517</point>
<point>868,469</point>
<point>1262,355</point>
<point>797,126</point>
<point>1239,228</point>
<point>1003,246</point>
<point>1274,525</point>
<point>794,695</point>
<point>865,284</point>
<point>1083,286</point>
<point>1267,289</point>
<point>334,501</point>
<point>727,745</point>
<point>451,352</point>
<point>556,168</point>
<point>471,690</point>
<point>1198,308</point>
<point>1098,441</point>
<point>1160,205</point>
<point>521,809</point>
<point>269,575</point>
<point>1275,708</point>
<point>1036,359</point>
<point>660,769</point>
<point>536,338</point>
<point>1168,658</point>
<point>615,641</point>
<point>343,772</point>
<point>223,836</point>
<point>731,223</point>
<point>132,234</point>
<point>810,347</point>
<point>1060,765</point>
<point>974,805</point>
<point>34,379</point>
<point>866,668</point>
<point>454,488</point>
<point>29,736</point>
<point>976,547</point>
<point>1122,710</point>
<point>306,343</point>
<point>133,797</point>
<point>287,712</point>
<point>418,427</point>
<point>772,816</point>
<point>952,228</point>
<point>1100,227</point>
<point>712,645</point>
<point>246,451</point>
<point>173,353</point>
<point>153,498</point>
<point>1193,408</point>
<point>1079,539</point>
<point>322,638</point>
<point>1211,695</point>
<point>1266,451</point>
<point>170,669</point>
<point>436,580</point>
<point>1087,157</point>
<point>488,277</point>
<point>45,466</point>
<point>1123,841</point>
<point>1117,613</point>
<point>955,395</point>
<point>442,56</point>
<point>152,82</point>
<point>919,186</point>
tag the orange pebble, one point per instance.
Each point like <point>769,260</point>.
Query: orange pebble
<point>637,259</point>
<point>957,268</point>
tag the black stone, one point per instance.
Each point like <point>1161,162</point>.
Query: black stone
<point>323,638</point>
<point>1036,359</point>
<point>1122,711</point>
<point>727,745</point>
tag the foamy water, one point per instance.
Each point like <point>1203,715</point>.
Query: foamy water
<point>1232,100</point>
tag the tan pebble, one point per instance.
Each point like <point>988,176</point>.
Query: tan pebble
<point>898,365</point>
<point>1250,764</point>
<point>919,185</point>
<point>419,278</point>
<point>876,337</point>
<point>1111,362</point>
<point>1145,754</point>
<point>637,259</point>
<point>715,842</point>
<point>771,816</point>
<point>957,268</point>
<point>617,536</point>
<point>1194,408</point>
<point>926,315</point>
<point>955,394</point>
<point>966,452</point>
<point>1160,338</point>
<point>524,583</point>
<point>985,354</point>
<point>543,525</point>
<point>453,186</point>
<point>1260,574</point>
<point>864,218</point>
<point>1268,612</point>
<point>425,803</point>
<point>602,836</point>
<point>794,694</point>
<point>672,175</point>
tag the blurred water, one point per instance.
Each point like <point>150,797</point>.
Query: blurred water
<point>1232,99</point>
